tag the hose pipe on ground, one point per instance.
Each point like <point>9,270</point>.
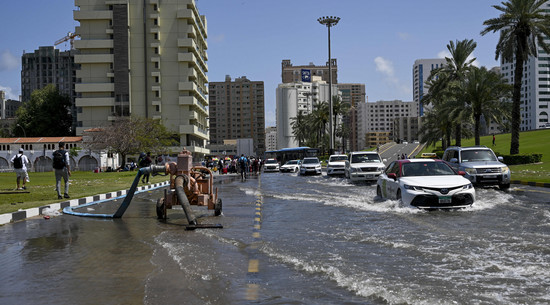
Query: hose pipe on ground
<point>180,182</point>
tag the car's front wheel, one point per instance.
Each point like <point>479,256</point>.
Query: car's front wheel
<point>504,187</point>
<point>378,191</point>
<point>398,196</point>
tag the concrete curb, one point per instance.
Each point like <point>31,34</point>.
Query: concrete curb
<point>32,212</point>
<point>539,184</point>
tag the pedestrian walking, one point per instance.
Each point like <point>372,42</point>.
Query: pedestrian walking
<point>145,161</point>
<point>242,163</point>
<point>62,168</point>
<point>20,162</point>
<point>493,139</point>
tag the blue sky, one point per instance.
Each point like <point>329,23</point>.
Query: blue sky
<point>375,43</point>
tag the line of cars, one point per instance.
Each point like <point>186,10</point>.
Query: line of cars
<point>426,183</point>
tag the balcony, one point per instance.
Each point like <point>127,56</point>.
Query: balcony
<point>95,101</point>
<point>94,58</point>
<point>194,102</point>
<point>95,87</point>
<point>194,130</point>
<point>94,44</point>
<point>92,15</point>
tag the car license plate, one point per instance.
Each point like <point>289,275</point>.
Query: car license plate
<point>445,199</point>
<point>369,176</point>
<point>490,176</point>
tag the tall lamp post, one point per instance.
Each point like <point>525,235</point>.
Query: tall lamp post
<point>24,133</point>
<point>330,21</point>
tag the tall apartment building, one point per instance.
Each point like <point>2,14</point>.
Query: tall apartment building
<point>421,72</point>
<point>293,74</point>
<point>294,98</point>
<point>237,111</point>
<point>379,116</point>
<point>271,138</point>
<point>145,58</point>
<point>352,95</point>
<point>535,88</point>
<point>48,65</point>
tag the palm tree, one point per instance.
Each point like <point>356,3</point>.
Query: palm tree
<point>523,25</point>
<point>299,128</point>
<point>453,72</point>
<point>317,121</point>
<point>484,92</point>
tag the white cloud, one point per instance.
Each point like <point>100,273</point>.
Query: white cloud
<point>10,93</point>
<point>8,61</point>
<point>386,68</point>
<point>404,36</point>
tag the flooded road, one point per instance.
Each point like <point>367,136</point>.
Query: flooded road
<point>287,239</point>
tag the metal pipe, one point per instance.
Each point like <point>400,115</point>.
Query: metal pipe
<point>180,182</point>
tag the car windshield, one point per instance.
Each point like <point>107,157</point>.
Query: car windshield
<point>426,169</point>
<point>291,162</point>
<point>270,161</point>
<point>365,158</point>
<point>311,161</point>
<point>477,155</point>
<point>338,158</point>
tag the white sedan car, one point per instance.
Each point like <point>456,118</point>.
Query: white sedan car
<point>292,166</point>
<point>425,184</point>
<point>310,166</point>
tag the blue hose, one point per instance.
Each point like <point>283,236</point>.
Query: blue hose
<point>125,203</point>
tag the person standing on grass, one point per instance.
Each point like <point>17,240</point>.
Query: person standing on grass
<point>493,139</point>
<point>61,165</point>
<point>146,162</point>
<point>20,162</point>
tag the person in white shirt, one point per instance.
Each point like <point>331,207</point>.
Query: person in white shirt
<point>20,162</point>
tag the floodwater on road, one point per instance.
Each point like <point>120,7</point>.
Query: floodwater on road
<point>287,239</point>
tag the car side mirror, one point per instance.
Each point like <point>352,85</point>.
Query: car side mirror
<point>392,176</point>
<point>384,160</point>
<point>453,160</point>
<point>462,173</point>
<point>500,158</point>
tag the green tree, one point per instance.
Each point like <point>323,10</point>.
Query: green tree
<point>317,120</point>
<point>447,78</point>
<point>46,114</point>
<point>523,26</point>
<point>300,129</point>
<point>484,92</point>
<point>130,135</point>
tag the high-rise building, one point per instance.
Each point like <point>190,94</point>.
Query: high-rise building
<point>48,65</point>
<point>270,138</point>
<point>352,95</point>
<point>379,116</point>
<point>535,88</point>
<point>144,58</point>
<point>293,74</point>
<point>421,72</point>
<point>295,98</point>
<point>237,111</point>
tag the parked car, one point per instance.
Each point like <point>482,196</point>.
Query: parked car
<point>310,166</point>
<point>336,165</point>
<point>481,165</point>
<point>425,184</point>
<point>292,166</point>
<point>363,166</point>
<point>271,165</point>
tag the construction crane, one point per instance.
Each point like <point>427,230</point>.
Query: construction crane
<point>69,37</point>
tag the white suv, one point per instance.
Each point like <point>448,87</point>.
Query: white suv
<point>336,165</point>
<point>364,166</point>
<point>481,165</point>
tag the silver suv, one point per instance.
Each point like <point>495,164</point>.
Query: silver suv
<point>481,165</point>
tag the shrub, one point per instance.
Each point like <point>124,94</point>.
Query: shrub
<point>521,159</point>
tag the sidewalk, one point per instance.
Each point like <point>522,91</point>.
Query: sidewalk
<point>539,184</point>
<point>32,212</point>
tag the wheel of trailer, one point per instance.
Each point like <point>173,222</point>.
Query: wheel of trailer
<point>161,209</point>
<point>218,208</point>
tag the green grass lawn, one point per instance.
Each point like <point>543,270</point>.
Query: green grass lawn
<point>41,188</point>
<point>530,142</point>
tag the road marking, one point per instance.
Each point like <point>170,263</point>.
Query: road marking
<point>253,286</point>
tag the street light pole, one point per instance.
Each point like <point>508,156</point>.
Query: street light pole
<point>329,22</point>
<point>24,133</point>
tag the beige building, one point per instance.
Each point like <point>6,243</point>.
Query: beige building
<point>353,95</point>
<point>407,129</point>
<point>237,111</point>
<point>375,139</point>
<point>153,68</point>
<point>293,74</point>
